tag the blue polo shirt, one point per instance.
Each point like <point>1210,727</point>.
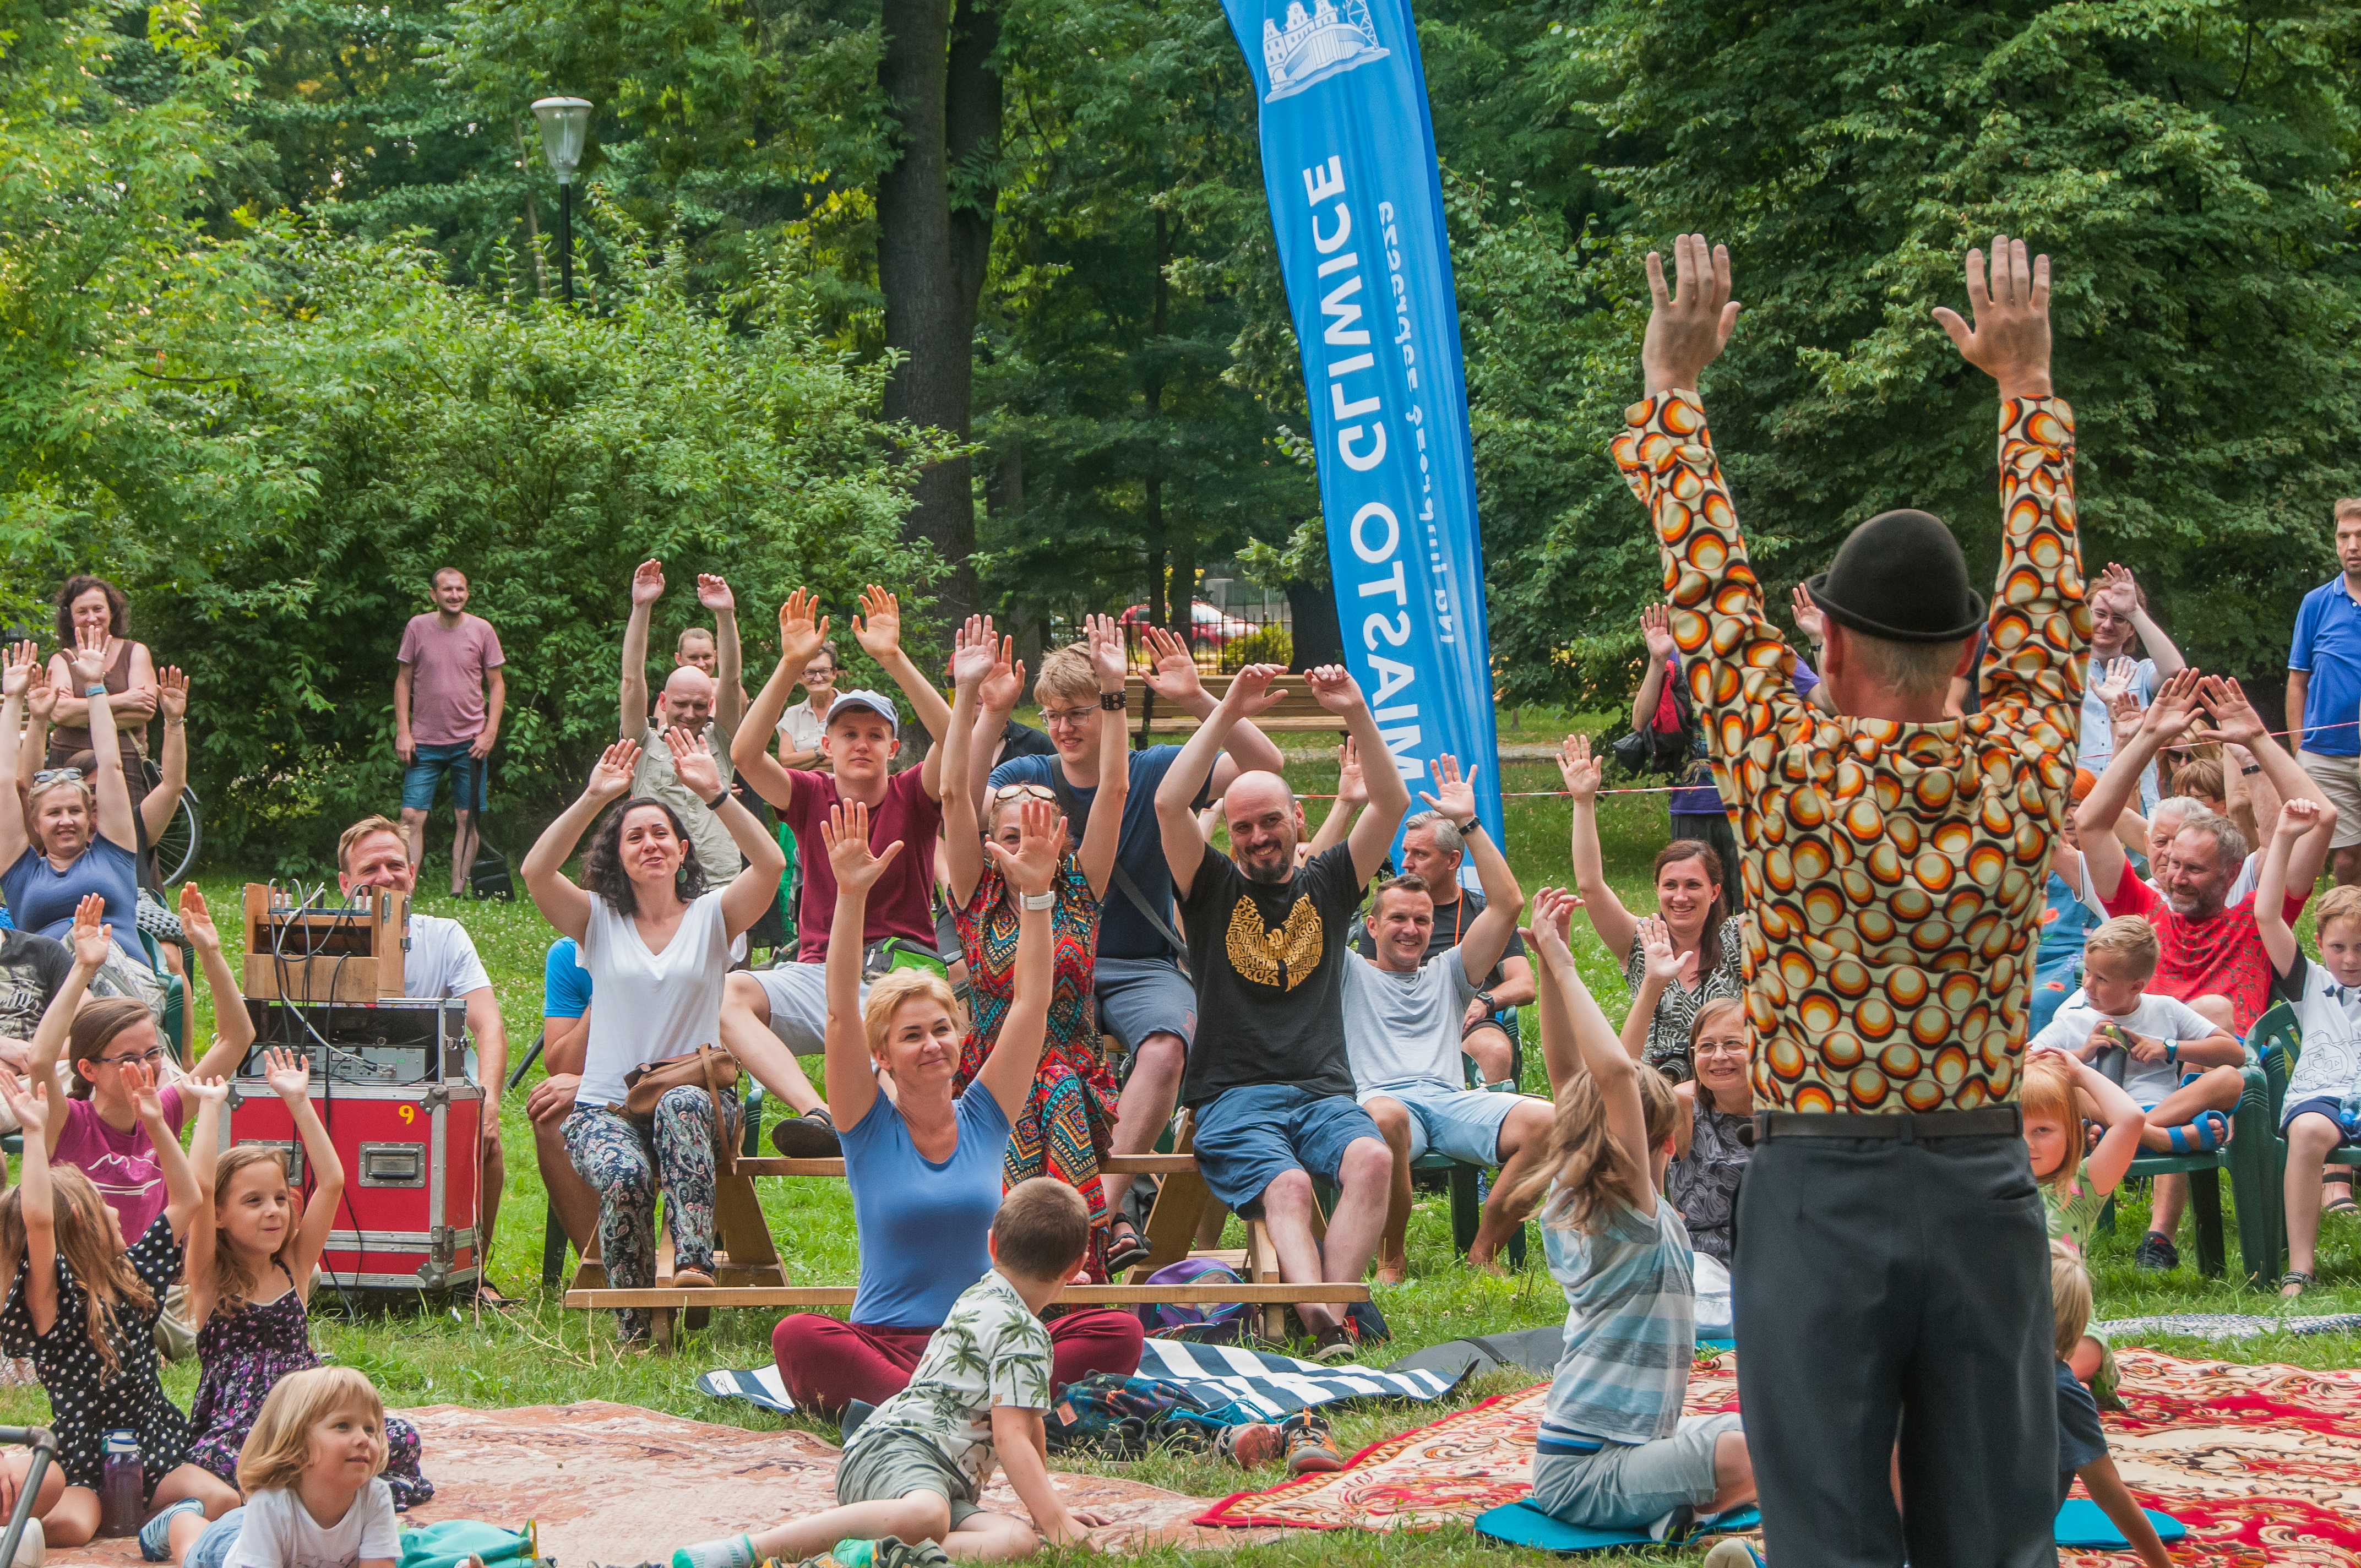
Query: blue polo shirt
<point>2328,644</point>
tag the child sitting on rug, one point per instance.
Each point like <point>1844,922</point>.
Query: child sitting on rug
<point>2326,992</point>
<point>911,1473</point>
<point>1615,1450</point>
<point>310,1470</point>
<point>2082,1442</point>
<point>2180,1068</point>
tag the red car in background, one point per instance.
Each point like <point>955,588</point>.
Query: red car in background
<point>1210,631</point>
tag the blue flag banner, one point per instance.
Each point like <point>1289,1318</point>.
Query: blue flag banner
<point>1356,203</point>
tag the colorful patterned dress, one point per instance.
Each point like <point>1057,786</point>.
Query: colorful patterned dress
<point>1069,1116</point>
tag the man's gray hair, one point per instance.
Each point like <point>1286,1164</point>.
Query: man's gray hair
<point>2179,807</point>
<point>1446,832</point>
<point>2229,844</point>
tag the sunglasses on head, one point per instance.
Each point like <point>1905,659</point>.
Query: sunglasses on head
<point>1012,791</point>
<point>56,775</point>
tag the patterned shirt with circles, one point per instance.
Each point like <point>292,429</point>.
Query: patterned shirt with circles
<point>1894,870</point>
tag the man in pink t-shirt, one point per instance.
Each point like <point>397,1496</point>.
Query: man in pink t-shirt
<point>447,697</point>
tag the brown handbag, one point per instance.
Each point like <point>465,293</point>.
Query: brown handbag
<point>710,1068</point>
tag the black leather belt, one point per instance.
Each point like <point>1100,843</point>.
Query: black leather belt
<point>1984,1121</point>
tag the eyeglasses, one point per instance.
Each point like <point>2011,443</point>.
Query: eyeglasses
<point>819,673</point>
<point>1056,716</point>
<point>150,1057</point>
<point>56,775</point>
<point>1013,792</point>
<point>1720,1048</point>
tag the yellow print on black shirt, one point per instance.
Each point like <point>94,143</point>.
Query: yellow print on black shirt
<point>1283,958</point>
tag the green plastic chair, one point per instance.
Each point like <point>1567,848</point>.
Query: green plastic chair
<point>176,996</point>
<point>1463,1179</point>
<point>2248,1160</point>
<point>2281,1040</point>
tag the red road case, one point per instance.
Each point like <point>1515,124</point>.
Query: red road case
<point>407,1219</point>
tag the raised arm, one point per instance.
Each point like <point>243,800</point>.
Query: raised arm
<point>2103,853</point>
<point>1656,633</point>
<point>2236,723</point>
<point>1581,771</point>
<point>1585,1043</point>
<point>15,680</point>
<point>197,1250</point>
<point>974,653</point>
<point>1661,966</point>
<point>115,822</point>
<point>1032,870</point>
<point>995,699</point>
<point>35,1109</point>
<point>756,886</point>
<point>1352,794</point>
<point>92,945</point>
<point>1487,935</point>
<point>182,1197</point>
<point>562,902</point>
<point>1184,846</point>
<point>2298,820</point>
<point>289,1076</point>
<point>878,630</point>
<point>2105,1165</point>
<point>172,758</point>
<point>1172,674</point>
<point>800,636</point>
<point>233,1026</point>
<point>1372,835</point>
<point>647,587</point>
<point>1096,852</point>
<point>851,1075</point>
<point>729,661</point>
<point>2115,589</point>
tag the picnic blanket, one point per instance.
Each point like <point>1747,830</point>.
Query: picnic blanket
<point>616,1483</point>
<point>2263,1464</point>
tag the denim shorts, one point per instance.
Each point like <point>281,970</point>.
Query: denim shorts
<point>1457,1123</point>
<point>1250,1137</point>
<point>1630,1485</point>
<point>213,1547</point>
<point>469,777</point>
<point>2322,1105</point>
<point>1139,997</point>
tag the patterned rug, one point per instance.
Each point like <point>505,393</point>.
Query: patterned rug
<point>2263,1464</point>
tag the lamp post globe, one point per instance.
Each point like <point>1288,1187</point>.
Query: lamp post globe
<point>564,131</point>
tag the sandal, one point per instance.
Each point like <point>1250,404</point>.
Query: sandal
<point>2293,1283</point>
<point>811,1135</point>
<point>1124,1247</point>
<point>2342,1202</point>
<point>2208,1131</point>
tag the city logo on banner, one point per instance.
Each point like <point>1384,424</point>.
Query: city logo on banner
<point>1317,45</point>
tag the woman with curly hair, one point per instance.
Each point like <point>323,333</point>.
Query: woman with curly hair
<point>656,942</point>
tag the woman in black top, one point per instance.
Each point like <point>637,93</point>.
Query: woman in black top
<point>1707,1158</point>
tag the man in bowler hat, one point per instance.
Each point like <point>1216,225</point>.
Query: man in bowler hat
<point>1893,1279</point>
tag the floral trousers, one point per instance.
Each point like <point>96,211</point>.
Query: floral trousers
<point>625,1165</point>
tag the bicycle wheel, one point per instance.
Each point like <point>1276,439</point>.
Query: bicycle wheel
<point>176,848</point>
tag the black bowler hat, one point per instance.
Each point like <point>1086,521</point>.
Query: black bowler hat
<point>1901,577</point>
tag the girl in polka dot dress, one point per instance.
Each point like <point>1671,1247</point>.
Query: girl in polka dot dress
<point>254,1251</point>
<point>83,1306</point>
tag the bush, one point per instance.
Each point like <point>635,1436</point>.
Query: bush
<point>1269,645</point>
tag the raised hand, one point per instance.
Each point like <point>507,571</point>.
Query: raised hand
<point>1109,657</point>
<point>2123,714</point>
<point>1457,800</point>
<point>17,673</point>
<point>714,594</point>
<point>1663,965</point>
<point>800,635</point>
<point>611,776</point>
<point>1809,621</point>
<point>1250,692</point>
<point>31,1105</point>
<point>1172,670</point>
<point>1041,838</point>
<point>845,836</point>
<point>216,1091</point>
<point>92,941</point>
<point>974,654</point>
<point>197,921</point>
<point>40,692</point>
<point>2235,719</point>
<point>647,583</point>
<point>2010,339</point>
<point>289,1075</point>
<point>173,694</point>
<point>1656,631</point>
<point>2119,674</point>
<point>1332,687</point>
<point>1553,911</point>
<point>2298,815</point>
<point>1580,769</point>
<point>2116,591</point>
<point>1687,326</point>
<point>2174,707</point>
<point>1003,687</point>
<point>878,627</point>
<point>1352,789</point>
<point>693,764</point>
<point>87,657</point>
<point>139,1082</point>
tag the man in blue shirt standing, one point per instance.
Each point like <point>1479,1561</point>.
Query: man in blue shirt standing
<point>2324,688</point>
<point>1143,997</point>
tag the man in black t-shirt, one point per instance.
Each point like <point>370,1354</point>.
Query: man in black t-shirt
<point>1431,851</point>
<point>1269,1079</point>
<point>32,967</point>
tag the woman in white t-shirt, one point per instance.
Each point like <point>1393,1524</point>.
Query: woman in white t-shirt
<point>656,942</point>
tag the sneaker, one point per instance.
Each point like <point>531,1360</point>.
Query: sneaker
<point>854,1553</point>
<point>1251,1446</point>
<point>2156,1252</point>
<point>895,1553</point>
<point>155,1536</point>
<point>811,1135</point>
<point>856,1412</point>
<point>1736,1553</point>
<point>32,1546</point>
<point>1311,1446</point>
<point>1341,1342</point>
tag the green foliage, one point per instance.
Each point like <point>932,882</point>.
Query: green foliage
<point>1269,645</point>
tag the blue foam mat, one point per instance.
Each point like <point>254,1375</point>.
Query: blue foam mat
<point>1521,1524</point>
<point>2083,1523</point>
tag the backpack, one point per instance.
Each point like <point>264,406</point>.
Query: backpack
<point>1123,1417</point>
<point>451,1543</point>
<point>1217,1322</point>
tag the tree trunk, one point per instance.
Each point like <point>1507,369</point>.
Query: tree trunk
<point>1162,580</point>
<point>930,258</point>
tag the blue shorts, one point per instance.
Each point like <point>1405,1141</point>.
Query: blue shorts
<point>213,1547</point>
<point>2321,1106</point>
<point>1458,1124</point>
<point>1250,1137</point>
<point>469,777</point>
<point>1139,997</point>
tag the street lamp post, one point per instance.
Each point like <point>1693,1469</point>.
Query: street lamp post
<point>565,127</point>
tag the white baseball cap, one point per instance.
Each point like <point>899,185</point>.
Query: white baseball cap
<point>876,702</point>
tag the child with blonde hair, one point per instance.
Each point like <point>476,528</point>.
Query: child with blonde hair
<point>2082,1441</point>
<point>2075,1188</point>
<point>315,1497</point>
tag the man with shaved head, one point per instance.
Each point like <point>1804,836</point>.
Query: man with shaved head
<point>706,703</point>
<point>1269,1080</point>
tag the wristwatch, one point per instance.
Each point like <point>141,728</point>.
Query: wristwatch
<point>1038,901</point>
<point>2172,1050</point>
<point>1486,998</point>
<point>717,802</point>
<point>1473,825</point>
<point>2252,768</point>
<point>1115,701</point>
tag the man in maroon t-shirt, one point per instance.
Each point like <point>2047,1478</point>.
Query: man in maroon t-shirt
<point>2213,955</point>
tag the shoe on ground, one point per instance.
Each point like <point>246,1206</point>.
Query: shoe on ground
<point>1736,1553</point>
<point>811,1135</point>
<point>2156,1252</point>
<point>856,1412</point>
<point>691,1279</point>
<point>1249,1447</point>
<point>1311,1446</point>
<point>1339,1342</point>
<point>155,1536</point>
<point>895,1553</point>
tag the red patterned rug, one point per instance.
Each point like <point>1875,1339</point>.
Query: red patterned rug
<point>2263,1464</point>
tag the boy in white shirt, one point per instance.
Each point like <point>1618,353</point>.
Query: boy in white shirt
<point>2326,992</point>
<point>911,1473</point>
<point>2180,1068</point>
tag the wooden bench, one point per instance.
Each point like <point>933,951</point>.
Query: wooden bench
<point>747,1271</point>
<point>1297,711</point>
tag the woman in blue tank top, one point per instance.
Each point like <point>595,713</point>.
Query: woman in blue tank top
<point>924,1165</point>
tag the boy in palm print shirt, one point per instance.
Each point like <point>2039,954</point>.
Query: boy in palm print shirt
<point>913,1470</point>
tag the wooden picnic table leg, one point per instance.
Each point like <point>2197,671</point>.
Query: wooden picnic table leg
<point>1172,1221</point>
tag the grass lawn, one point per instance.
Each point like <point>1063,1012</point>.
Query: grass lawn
<point>541,1354</point>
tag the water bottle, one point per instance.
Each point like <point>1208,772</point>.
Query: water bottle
<point>123,1484</point>
<point>2348,1115</point>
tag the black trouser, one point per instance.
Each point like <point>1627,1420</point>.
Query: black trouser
<point>1887,1289</point>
